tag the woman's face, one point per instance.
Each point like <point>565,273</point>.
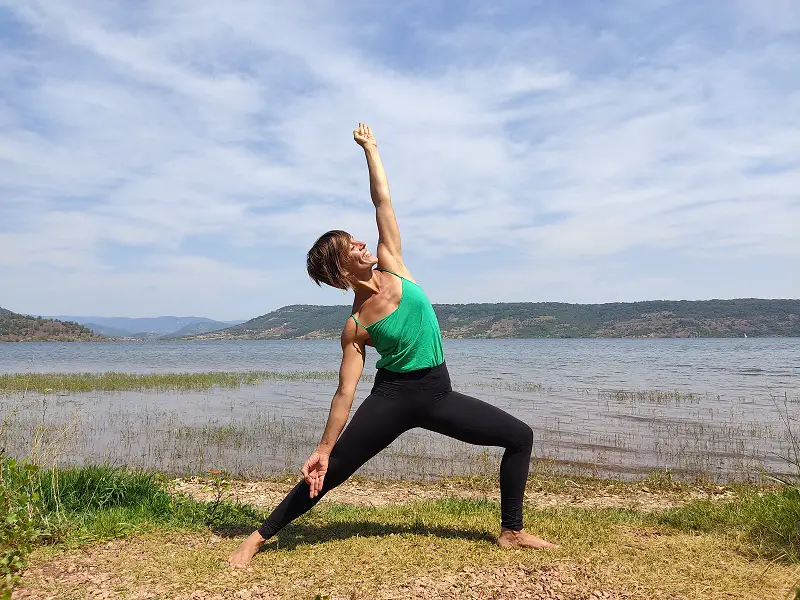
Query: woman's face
<point>358,258</point>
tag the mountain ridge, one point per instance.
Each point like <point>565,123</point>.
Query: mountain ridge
<point>753,317</point>
<point>15,327</point>
<point>651,318</point>
<point>133,326</point>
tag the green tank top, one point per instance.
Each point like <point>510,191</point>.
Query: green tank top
<point>408,338</point>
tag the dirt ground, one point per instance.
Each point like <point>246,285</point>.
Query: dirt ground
<point>362,492</point>
<point>97,575</point>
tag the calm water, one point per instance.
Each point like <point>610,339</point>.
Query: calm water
<point>594,404</point>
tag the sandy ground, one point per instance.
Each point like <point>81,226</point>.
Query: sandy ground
<point>268,493</point>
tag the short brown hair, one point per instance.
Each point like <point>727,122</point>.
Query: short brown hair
<point>324,262</point>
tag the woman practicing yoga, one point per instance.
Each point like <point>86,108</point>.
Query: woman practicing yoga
<point>412,386</point>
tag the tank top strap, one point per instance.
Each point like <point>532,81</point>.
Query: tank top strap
<point>393,273</point>
<point>357,321</point>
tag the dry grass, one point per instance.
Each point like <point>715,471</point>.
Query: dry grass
<point>629,563</point>
<point>543,491</point>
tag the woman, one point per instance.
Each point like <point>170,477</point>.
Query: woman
<point>412,386</point>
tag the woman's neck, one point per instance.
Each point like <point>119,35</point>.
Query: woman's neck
<point>367,284</point>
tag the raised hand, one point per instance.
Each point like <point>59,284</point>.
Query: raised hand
<point>314,471</point>
<point>363,136</point>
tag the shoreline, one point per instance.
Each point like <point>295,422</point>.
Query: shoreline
<point>252,423</point>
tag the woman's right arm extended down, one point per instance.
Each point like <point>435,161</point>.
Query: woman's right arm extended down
<point>353,355</point>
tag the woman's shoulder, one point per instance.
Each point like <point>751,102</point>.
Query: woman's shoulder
<point>398,270</point>
<point>393,263</point>
<point>353,331</point>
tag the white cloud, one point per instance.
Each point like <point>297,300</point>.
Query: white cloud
<point>148,126</point>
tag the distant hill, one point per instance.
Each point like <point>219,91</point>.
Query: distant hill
<point>196,328</point>
<point>657,318</point>
<point>130,326</point>
<point>298,321</point>
<point>23,328</point>
<point>107,331</point>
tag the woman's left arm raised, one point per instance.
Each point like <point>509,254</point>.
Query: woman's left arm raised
<point>390,251</point>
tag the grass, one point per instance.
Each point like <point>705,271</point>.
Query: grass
<point>112,381</point>
<point>768,524</point>
<point>18,383</point>
<point>95,503</point>
<point>651,396</point>
<point>174,545</point>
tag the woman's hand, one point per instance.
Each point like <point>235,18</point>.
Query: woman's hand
<point>314,471</point>
<point>363,136</point>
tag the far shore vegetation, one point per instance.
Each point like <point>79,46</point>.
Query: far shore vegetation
<point>743,317</point>
<point>24,328</point>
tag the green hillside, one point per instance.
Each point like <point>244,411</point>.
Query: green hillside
<point>22,328</point>
<point>657,318</point>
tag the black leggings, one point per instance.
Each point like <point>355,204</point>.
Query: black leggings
<point>424,398</point>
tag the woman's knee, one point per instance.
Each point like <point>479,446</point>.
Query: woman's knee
<point>521,437</point>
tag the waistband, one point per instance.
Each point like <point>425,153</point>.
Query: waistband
<point>419,374</point>
<point>419,384</point>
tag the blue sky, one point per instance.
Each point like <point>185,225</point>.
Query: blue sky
<point>181,157</point>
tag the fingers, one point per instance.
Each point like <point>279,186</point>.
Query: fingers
<point>316,486</point>
<point>363,135</point>
<point>363,130</point>
<point>309,466</point>
<point>312,476</point>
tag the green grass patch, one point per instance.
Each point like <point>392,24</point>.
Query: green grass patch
<point>767,523</point>
<point>19,383</point>
<point>92,503</point>
<point>95,503</point>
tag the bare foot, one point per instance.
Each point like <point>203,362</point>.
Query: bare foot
<point>246,551</point>
<point>521,539</point>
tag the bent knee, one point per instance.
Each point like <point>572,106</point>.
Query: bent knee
<point>521,437</point>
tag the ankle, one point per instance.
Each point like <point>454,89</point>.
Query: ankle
<point>256,539</point>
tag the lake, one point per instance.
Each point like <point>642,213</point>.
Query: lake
<point>710,407</point>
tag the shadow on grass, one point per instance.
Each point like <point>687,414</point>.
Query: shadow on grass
<point>294,534</point>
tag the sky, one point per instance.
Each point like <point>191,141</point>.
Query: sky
<point>181,157</point>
